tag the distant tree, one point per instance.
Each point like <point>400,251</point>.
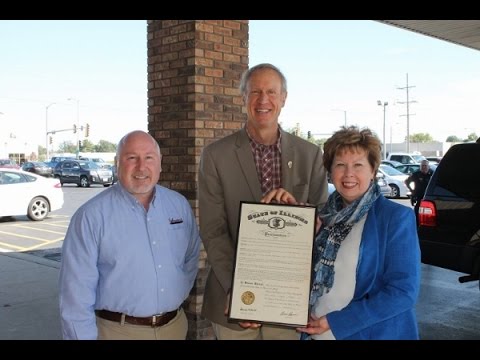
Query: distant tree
<point>453,138</point>
<point>42,152</point>
<point>88,146</point>
<point>67,147</point>
<point>421,138</point>
<point>293,131</point>
<point>472,137</point>
<point>105,146</point>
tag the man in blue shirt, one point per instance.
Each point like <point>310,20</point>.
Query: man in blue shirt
<point>130,255</point>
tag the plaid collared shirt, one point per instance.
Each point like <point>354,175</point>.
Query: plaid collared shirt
<point>268,162</point>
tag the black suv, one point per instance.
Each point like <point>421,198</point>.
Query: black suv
<point>82,173</point>
<point>449,213</point>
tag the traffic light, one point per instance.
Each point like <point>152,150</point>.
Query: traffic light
<point>51,140</point>
<point>87,130</point>
<point>309,134</point>
<point>74,129</point>
<point>79,144</point>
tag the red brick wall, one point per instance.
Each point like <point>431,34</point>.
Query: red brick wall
<point>194,70</point>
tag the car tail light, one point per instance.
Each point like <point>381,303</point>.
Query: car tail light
<point>427,213</point>
<point>58,185</point>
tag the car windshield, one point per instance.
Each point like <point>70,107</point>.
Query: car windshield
<point>418,158</point>
<point>390,171</point>
<point>88,165</point>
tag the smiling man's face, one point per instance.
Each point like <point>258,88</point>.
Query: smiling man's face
<point>264,98</point>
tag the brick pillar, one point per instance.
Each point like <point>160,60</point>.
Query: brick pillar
<point>194,69</point>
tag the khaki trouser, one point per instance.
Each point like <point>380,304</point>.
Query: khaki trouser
<point>265,332</point>
<point>176,329</point>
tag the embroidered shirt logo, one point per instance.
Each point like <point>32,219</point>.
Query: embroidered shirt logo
<point>175,221</point>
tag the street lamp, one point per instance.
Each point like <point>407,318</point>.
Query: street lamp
<point>344,115</point>
<point>391,136</point>
<point>385,103</point>
<point>46,129</point>
<point>78,123</point>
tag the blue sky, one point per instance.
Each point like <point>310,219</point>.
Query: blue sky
<point>103,64</point>
<point>349,65</point>
<point>343,65</point>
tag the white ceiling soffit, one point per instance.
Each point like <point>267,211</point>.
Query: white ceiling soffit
<point>461,32</point>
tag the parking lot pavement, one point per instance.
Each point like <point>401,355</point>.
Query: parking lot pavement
<point>28,297</point>
<point>447,309</point>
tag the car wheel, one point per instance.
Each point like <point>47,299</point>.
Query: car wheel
<point>395,191</point>
<point>84,182</point>
<point>38,209</point>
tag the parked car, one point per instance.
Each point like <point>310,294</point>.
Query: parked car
<point>114,171</point>
<point>449,214</point>
<point>406,158</point>
<point>99,161</point>
<point>9,164</point>
<point>385,189</point>
<point>407,168</point>
<point>391,163</point>
<point>411,168</point>
<point>396,180</point>
<point>37,167</point>
<point>56,159</point>
<point>435,159</point>
<point>82,173</point>
<point>24,193</point>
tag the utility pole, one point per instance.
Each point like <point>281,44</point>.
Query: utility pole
<point>77,124</point>
<point>408,112</point>
<point>46,130</point>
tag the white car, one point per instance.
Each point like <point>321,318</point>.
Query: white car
<point>24,193</point>
<point>396,180</point>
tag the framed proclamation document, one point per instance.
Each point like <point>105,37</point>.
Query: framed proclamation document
<point>273,264</point>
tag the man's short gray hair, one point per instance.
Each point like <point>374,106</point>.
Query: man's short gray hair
<point>248,74</point>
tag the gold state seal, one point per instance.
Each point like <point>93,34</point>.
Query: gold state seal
<point>248,297</point>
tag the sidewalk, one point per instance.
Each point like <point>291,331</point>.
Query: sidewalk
<point>28,297</point>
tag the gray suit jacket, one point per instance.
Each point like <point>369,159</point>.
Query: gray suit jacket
<point>227,176</point>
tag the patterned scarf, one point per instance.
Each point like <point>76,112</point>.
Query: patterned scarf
<point>337,221</point>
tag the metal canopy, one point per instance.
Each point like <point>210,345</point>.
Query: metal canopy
<point>461,32</point>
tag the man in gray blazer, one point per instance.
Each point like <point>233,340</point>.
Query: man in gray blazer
<point>245,166</point>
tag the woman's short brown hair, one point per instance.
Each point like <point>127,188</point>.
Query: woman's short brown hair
<point>352,138</point>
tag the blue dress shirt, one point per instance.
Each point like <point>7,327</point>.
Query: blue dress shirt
<point>119,257</point>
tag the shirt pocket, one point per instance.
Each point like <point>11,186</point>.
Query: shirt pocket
<point>178,239</point>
